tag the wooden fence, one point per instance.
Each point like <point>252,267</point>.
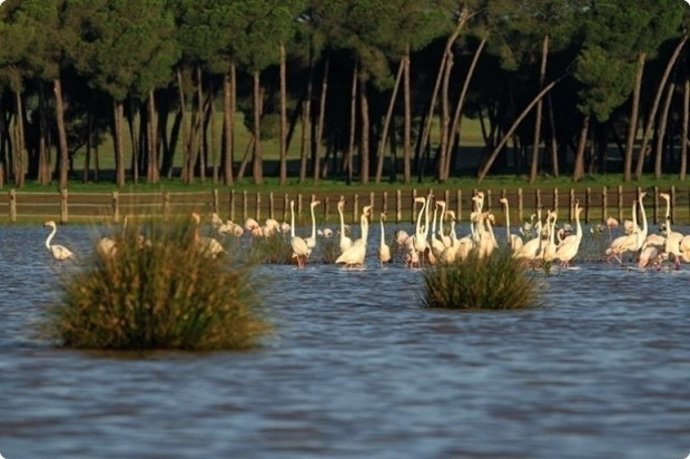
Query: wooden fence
<point>18,206</point>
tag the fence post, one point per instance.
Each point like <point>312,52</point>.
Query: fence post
<point>488,199</point>
<point>588,204</point>
<point>520,206</point>
<point>166,204</point>
<point>458,205</point>
<point>115,206</point>
<point>258,206</point>
<point>63,206</point>
<point>355,207</point>
<point>673,204</point>
<point>655,203</point>
<point>398,206</point>
<point>555,199</point>
<point>620,203</point>
<point>232,205</point>
<point>537,198</point>
<point>286,206</point>
<point>414,196</point>
<point>271,207</point>
<point>13,205</point>
<point>604,203</point>
<point>572,204</point>
<point>216,204</point>
<point>244,205</point>
<point>384,202</point>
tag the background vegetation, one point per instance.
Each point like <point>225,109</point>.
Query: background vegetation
<point>225,91</point>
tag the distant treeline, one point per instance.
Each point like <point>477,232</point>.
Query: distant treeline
<point>363,90</point>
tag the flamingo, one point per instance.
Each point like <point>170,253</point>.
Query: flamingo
<point>437,245</point>
<point>207,245</point>
<point>450,253</point>
<point>533,247</point>
<point>444,238</point>
<point>354,256</point>
<point>345,242</point>
<point>569,247</point>
<point>300,250</point>
<point>311,240</point>
<point>59,252</point>
<point>673,238</point>
<point>624,243</point>
<point>384,250</point>
<point>514,241</point>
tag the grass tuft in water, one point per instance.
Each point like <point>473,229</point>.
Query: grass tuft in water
<point>157,290</point>
<point>491,283</point>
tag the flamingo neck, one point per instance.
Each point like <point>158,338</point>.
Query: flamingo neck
<point>342,224</point>
<point>50,237</point>
<point>383,239</point>
<point>440,223</point>
<point>292,219</point>
<point>417,228</point>
<point>313,223</point>
<point>507,223</point>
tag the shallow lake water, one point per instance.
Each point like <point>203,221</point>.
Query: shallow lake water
<point>357,369</point>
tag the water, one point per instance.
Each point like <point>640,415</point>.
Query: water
<point>357,369</point>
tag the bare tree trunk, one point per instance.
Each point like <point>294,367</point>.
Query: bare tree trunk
<point>386,124</point>
<point>353,120</point>
<point>283,118</point>
<point>184,172</point>
<point>456,123</point>
<point>322,114</point>
<point>684,131</point>
<point>661,132</point>
<point>20,149</point>
<point>305,132</point>
<point>213,151</point>
<point>118,118</point>
<point>43,170</point>
<point>537,122</point>
<point>655,106</point>
<point>152,172</point>
<point>579,168</point>
<point>407,129</point>
<point>62,134</point>
<point>228,134</point>
<point>364,134</point>
<point>445,118</point>
<point>201,132</point>
<point>632,129</point>
<point>303,143</point>
<point>462,19</point>
<point>492,157</point>
<point>258,163</point>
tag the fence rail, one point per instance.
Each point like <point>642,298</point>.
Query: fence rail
<point>17,206</point>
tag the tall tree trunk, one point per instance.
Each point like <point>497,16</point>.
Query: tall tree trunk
<point>684,130</point>
<point>131,119</point>
<point>364,134</point>
<point>322,113</point>
<point>89,146</point>
<point>492,157</point>
<point>283,118</point>
<point>258,163</point>
<point>212,150</point>
<point>43,171</point>
<point>305,129</point>
<point>20,149</point>
<point>445,117</point>
<point>303,147</point>
<point>407,128</point>
<point>655,106</point>
<point>456,123</point>
<point>62,134</point>
<point>537,122</point>
<point>184,170</point>
<point>152,173</point>
<point>462,19</point>
<point>386,124</point>
<point>579,168</point>
<point>661,132</point>
<point>118,121</point>
<point>228,134</point>
<point>201,132</point>
<point>634,113</point>
<point>353,122</point>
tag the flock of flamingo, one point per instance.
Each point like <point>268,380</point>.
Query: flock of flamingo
<point>538,241</point>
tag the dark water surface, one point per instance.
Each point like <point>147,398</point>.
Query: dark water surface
<point>357,369</point>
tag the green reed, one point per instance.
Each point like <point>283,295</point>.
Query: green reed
<point>157,290</point>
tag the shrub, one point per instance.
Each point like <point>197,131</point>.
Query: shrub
<point>494,282</point>
<point>275,249</point>
<point>157,290</point>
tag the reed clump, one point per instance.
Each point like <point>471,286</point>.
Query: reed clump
<point>156,288</point>
<point>496,282</point>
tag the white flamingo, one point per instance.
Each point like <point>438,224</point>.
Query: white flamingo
<point>207,245</point>
<point>300,250</point>
<point>59,252</point>
<point>384,250</point>
<point>568,248</point>
<point>514,241</point>
<point>345,242</point>
<point>624,243</point>
<point>532,248</point>
<point>354,256</point>
<point>311,240</point>
<point>673,238</point>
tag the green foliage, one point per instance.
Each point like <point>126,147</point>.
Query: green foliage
<point>495,282</point>
<point>273,249</point>
<point>156,290</point>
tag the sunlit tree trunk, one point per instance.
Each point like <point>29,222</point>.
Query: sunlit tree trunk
<point>536,142</point>
<point>634,113</point>
<point>407,129</point>
<point>579,167</point>
<point>258,162</point>
<point>661,132</point>
<point>322,110</point>
<point>283,118</point>
<point>684,131</point>
<point>364,134</point>
<point>118,115</point>
<point>383,138</point>
<point>228,134</point>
